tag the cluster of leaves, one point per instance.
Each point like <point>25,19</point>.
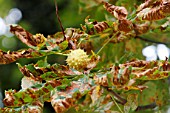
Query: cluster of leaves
<point>119,87</point>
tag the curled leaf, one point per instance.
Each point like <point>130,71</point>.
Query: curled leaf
<point>29,95</point>
<point>154,13</point>
<point>93,62</point>
<point>117,11</point>
<point>93,27</point>
<point>27,82</point>
<point>35,107</point>
<point>146,4</point>
<point>37,40</point>
<point>38,73</point>
<point>125,25</point>
<point>9,57</point>
<point>141,28</point>
<point>63,100</point>
<point>124,76</point>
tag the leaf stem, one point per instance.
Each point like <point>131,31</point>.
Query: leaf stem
<point>61,54</point>
<point>107,43</point>
<point>116,103</point>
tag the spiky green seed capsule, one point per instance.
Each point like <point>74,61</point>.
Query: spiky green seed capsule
<point>77,59</point>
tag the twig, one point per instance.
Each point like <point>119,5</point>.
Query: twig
<point>150,106</point>
<point>116,104</point>
<point>122,100</point>
<point>73,46</point>
<point>152,41</point>
<point>58,17</point>
<point>107,42</point>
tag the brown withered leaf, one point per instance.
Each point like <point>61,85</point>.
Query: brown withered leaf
<point>152,71</point>
<point>126,76</point>
<point>62,70</point>
<point>35,107</point>
<point>9,57</point>
<point>102,80</point>
<point>63,100</point>
<point>166,65</point>
<point>34,75</point>
<point>150,14</point>
<point>141,28</point>
<point>9,101</point>
<point>93,62</point>
<point>27,82</point>
<point>98,27</point>
<point>147,3</point>
<point>54,40</point>
<point>159,10</point>
<point>29,95</point>
<point>139,63</point>
<point>117,11</point>
<point>46,73</point>
<point>95,93</point>
<point>144,72</point>
<point>73,35</point>
<point>125,25</point>
<point>166,7</point>
<point>57,40</point>
<point>115,72</point>
<point>121,76</point>
<point>27,38</point>
<point>22,34</point>
<point>86,46</point>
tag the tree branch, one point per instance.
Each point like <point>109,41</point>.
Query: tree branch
<point>58,17</point>
<point>150,106</point>
<point>152,41</point>
<point>123,101</point>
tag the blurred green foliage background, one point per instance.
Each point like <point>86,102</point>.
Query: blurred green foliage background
<point>39,16</point>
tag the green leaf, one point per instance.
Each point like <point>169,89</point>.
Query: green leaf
<point>61,87</point>
<point>132,103</point>
<point>30,67</point>
<point>110,79</point>
<point>42,63</point>
<point>27,98</point>
<point>48,76</point>
<point>63,45</point>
